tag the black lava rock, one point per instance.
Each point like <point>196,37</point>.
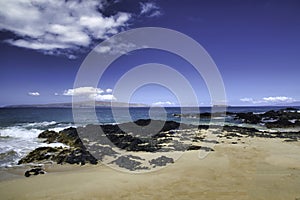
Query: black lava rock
<point>39,155</point>
<point>161,161</point>
<point>34,171</point>
<point>249,117</point>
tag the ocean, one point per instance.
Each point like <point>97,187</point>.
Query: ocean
<point>19,127</point>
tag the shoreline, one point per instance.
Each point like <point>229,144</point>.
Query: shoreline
<point>217,162</point>
<point>18,139</point>
<point>259,168</point>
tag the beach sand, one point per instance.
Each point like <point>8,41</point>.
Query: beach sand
<point>259,168</point>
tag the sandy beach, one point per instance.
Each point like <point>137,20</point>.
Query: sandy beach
<point>259,168</point>
<point>149,99</point>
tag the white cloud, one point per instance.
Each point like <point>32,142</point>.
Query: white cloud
<point>279,99</point>
<point>105,97</point>
<point>269,100</point>
<point>89,93</point>
<point>35,45</point>
<point>108,90</point>
<point>56,94</point>
<point>82,91</point>
<point>163,103</point>
<point>33,93</point>
<point>57,26</point>
<point>246,99</point>
<point>150,9</point>
<point>103,49</point>
<point>70,56</point>
<point>116,47</point>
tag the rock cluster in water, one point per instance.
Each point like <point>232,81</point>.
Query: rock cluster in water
<point>134,136</point>
<point>139,137</point>
<point>75,154</point>
<point>284,118</point>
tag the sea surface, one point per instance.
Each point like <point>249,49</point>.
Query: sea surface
<point>19,127</point>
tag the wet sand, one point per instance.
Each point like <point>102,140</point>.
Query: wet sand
<point>259,168</point>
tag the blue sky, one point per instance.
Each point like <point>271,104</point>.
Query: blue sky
<point>255,45</point>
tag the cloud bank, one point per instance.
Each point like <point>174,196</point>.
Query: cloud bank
<point>90,93</point>
<point>269,100</point>
<point>58,27</point>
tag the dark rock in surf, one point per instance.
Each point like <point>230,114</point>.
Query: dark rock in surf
<point>50,136</point>
<point>67,136</point>
<point>59,155</point>
<point>40,154</point>
<point>280,123</point>
<point>249,117</point>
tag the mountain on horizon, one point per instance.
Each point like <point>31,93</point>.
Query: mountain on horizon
<point>79,105</point>
<point>295,103</point>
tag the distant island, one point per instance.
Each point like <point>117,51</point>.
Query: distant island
<point>83,104</point>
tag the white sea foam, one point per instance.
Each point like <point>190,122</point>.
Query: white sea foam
<point>61,127</point>
<point>54,145</point>
<point>266,120</point>
<point>19,132</point>
<point>258,113</point>
<point>21,146</point>
<point>32,130</point>
<point>40,124</point>
<point>23,138</point>
<point>293,121</point>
